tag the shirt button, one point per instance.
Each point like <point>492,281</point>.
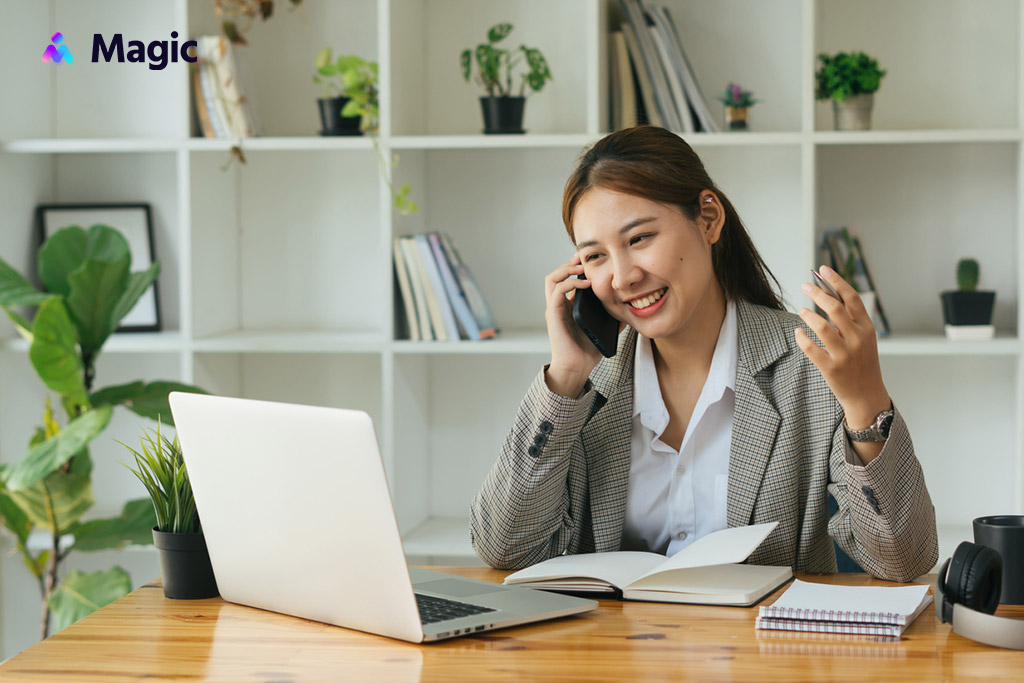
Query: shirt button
<point>681,470</point>
<point>681,536</point>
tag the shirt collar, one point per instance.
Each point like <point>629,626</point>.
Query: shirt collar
<point>647,400</point>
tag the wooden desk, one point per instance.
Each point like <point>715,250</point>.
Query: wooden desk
<point>146,636</point>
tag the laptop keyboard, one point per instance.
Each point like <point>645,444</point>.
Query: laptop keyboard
<point>434,609</point>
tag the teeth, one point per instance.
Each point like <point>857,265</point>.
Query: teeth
<point>647,301</point>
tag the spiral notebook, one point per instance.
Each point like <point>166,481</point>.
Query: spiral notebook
<point>862,610</point>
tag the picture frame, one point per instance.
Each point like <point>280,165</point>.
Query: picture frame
<point>135,222</point>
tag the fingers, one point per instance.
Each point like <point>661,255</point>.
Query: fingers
<point>562,272</point>
<point>828,335</point>
<point>854,305</point>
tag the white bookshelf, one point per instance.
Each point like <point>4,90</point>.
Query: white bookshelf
<point>277,278</point>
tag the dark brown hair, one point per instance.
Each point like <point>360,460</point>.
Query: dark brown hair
<point>656,164</point>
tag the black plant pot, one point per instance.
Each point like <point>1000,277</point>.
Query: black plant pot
<point>503,115</point>
<point>968,308</point>
<point>331,120</point>
<point>185,566</point>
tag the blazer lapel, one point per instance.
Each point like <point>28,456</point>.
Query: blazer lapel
<point>608,446</point>
<point>762,340</point>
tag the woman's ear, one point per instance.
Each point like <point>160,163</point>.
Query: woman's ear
<point>712,216</point>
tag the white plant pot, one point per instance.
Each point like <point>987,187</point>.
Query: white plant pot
<point>853,113</point>
<point>869,305</point>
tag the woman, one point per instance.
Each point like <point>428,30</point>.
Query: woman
<point>719,409</point>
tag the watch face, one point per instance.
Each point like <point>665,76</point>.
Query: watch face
<point>885,424</point>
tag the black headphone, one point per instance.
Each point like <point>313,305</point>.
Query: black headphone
<point>967,593</point>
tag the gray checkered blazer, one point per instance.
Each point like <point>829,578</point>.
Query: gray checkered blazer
<point>559,485</point>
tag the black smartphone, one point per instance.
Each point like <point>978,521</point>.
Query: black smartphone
<point>599,326</point>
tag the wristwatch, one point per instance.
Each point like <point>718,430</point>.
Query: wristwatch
<point>878,431</point>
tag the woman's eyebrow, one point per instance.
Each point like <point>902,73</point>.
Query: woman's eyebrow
<point>623,230</point>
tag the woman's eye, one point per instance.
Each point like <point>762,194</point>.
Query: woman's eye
<point>637,238</point>
<point>590,257</point>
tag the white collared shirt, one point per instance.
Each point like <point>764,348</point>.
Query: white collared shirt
<point>675,497</point>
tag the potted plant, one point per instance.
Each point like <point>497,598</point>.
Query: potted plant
<point>184,560</point>
<point>48,490</point>
<point>850,80</point>
<point>347,85</point>
<point>503,111</point>
<point>967,310</point>
<point>737,101</point>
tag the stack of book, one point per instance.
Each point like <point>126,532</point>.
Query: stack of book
<point>843,253</point>
<point>440,300</point>
<point>221,108</point>
<point>651,78</point>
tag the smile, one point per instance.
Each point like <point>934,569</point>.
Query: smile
<point>649,300</point>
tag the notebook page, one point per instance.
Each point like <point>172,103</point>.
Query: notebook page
<point>617,568</point>
<point>728,546</point>
<point>803,600</point>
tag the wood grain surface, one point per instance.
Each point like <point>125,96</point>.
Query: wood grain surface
<point>145,636</point>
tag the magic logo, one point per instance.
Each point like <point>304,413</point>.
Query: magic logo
<point>156,54</point>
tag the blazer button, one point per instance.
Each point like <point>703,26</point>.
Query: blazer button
<point>545,427</point>
<point>533,451</point>
<point>540,439</point>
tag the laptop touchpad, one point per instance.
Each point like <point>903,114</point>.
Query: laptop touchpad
<point>458,589</point>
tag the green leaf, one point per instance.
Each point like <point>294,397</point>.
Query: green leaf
<point>118,394</point>
<point>152,401</point>
<point>61,254</point>
<point>56,502</point>
<point>54,351</point>
<point>14,518</point>
<point>323,58</point>
<point>96,288</point>
<point>45,458</point>
<point>15,290</point>
<point>138,283</point>
<point>133,527</point>
<point>81,594</point>
<point>498,32</point>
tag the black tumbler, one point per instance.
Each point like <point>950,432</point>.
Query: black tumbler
<point>1005,534</point>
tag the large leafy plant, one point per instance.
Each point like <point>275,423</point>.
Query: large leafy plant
<point>88,287</point>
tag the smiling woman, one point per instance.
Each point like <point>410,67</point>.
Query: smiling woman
<point>720,407</point>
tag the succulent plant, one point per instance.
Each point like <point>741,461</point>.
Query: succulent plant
<point>968,272</point>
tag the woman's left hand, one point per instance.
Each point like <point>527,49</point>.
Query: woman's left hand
<point>849,361</point>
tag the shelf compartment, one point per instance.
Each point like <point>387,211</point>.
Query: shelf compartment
<point>441,541</point>
<point>253,245</point>
<point>917,209</point>
<point>952,42</point>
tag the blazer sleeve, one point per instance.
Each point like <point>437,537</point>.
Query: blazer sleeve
<point>885,520</point>
<point>523,512</point>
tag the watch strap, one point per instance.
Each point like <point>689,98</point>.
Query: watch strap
<point>878,431</point>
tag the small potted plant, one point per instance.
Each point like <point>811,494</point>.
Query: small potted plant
<point>850,80</point>
<point>503,111</point>
<point>967,310</point>
<point>184,560</point>
<point>737,101</point>
<point>348,102</point>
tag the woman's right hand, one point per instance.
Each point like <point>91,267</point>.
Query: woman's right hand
<point>573,356</point>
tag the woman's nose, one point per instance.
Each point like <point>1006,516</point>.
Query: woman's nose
<point>625,274</point>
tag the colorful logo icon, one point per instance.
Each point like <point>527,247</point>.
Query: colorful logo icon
<point>55,53</point>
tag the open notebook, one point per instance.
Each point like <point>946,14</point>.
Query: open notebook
<point>705,572</point>
<point>865,610</point>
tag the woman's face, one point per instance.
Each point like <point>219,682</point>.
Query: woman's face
<point>649,264</point>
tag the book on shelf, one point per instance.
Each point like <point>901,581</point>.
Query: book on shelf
<point>624,105</point>
<point>439,297</point>
<point>846,257</point>
<point>857,610</point>
<point>221,86</point>
<point>417,277</point>
<point>470,289</point>
<point>463,316</point>
<point>644,87</point>
<point>202,111</point>
<point>707,572</point>
<point>697,103</point>
<point>637,21</point>
<point>674,80</point>
<point>407,312</point>
<point>437,303</point>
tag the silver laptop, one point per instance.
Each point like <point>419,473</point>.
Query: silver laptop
<point>298,519</point>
